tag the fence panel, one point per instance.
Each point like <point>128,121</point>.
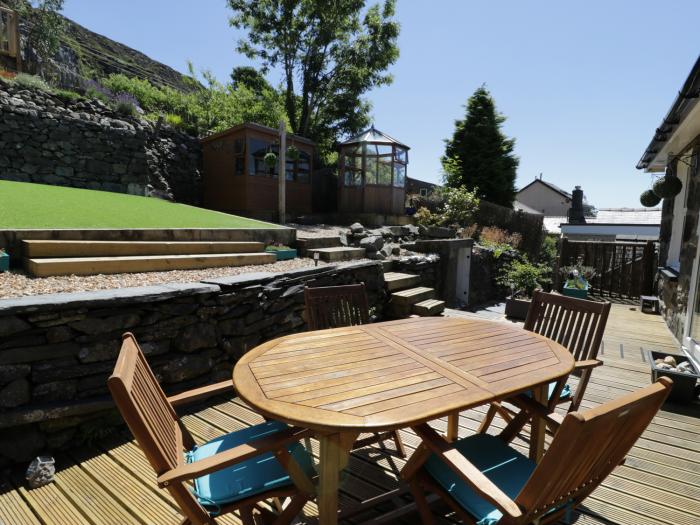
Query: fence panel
<point>623,270</point>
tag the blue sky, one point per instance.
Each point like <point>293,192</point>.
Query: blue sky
<point>583,84</point>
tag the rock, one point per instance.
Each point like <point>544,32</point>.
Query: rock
<point>422,230</point>
<point>373,243</point>
<point>108,324</point>
<point>59,334</point>
<point>440,232</point>
<point>11,325</point>
<point>670,360</point>
<point>184,368</point>
<point>16,393</point>
<point>102,351</point>
<point>194,337</point>
<point>11,372</point>
<point>55,391</point>
<point>41,472</point>
<point>357,228</point>
<point>395,249</point>
<point>409,230</point>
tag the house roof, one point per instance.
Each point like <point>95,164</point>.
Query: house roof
<point>552,224</point>
<point>524,207</point>
<point>551,186</point>
<point>373,135</point>
<point>626,216</point>
<point>684,102</point>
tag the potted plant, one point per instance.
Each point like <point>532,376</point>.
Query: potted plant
<point>522,278</point>
<point>4,261</point>
<point>282,252</point>
<point>293,153</point>
<point>270,160</point>
<point>576,279</point>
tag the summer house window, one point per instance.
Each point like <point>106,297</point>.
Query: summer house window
<point>680,209</point>
<point>257,149</point>
<point>8,32</point>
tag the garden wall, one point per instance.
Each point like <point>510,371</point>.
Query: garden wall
<point>529,225</point>
<point>57,351</point>
<point>84,144</point>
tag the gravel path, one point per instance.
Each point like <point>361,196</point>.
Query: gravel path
<point>17,284</point>
<point>318,230</point>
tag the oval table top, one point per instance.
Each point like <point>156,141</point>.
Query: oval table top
<point>394,374</point>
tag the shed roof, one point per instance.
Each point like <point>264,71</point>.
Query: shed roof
<point>373,135</point>
<point>257,127</point>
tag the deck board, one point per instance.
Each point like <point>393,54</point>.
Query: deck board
<point>659,483</point>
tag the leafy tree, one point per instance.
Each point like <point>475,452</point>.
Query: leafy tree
<point>330,54</point>
<point>249,77</point>
<point>46,25</point>
<point>479,155</point>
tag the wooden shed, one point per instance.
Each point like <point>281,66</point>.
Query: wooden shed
<point>372,174</point>
<point>237,180</point>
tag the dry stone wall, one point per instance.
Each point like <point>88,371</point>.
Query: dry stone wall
<point>50,139</point>
<point>57,351</point>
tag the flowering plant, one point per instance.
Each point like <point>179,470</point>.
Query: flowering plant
<point>577,275</point>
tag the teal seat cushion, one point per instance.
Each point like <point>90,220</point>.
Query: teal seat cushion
<point>249,477</point>
<point>565,392</point>
<point>507,468</point>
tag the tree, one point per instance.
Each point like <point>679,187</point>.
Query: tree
<point>45,23</point>
<point>247,76</point>
<point>479,155</point>
<point>330,55</point>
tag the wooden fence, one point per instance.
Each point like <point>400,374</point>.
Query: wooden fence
<point>624,270</point>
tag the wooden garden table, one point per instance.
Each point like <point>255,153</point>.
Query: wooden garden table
<point>385,376</point>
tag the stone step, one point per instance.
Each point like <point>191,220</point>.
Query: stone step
<point>428,307</point>
<point>141,263</point>
<point>388,265</point>
<point>338,253</point>
<point>400,281</point>
<point>312,243</point>
<point>47,248</point>
<point>403,300</point>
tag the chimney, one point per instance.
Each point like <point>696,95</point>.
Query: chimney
<point>576,215</point>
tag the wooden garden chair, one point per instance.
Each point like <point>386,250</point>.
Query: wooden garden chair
<point>337,307</point>
<point>486,481</point>
<point>235,472</point>
<point>576,324</point>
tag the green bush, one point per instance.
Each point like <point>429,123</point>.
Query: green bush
<point>174,120</point>
<point>126,108</point>
<point>424,217</point>
<point>67,95</point>
<point>524,277</point>
<point>32,82</point>
<point>98,95</point>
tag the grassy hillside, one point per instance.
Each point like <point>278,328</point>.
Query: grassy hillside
<point>24,205</point>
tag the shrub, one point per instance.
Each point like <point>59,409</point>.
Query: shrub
<point>67,95</point>
<point>460,206</point>
<point>126,104</point>
<point>31,82</point>
<point>499,240</point>
<point>549,251</point>
<point>174,120</point>
<point>424,217</point>
<point>524,277</point>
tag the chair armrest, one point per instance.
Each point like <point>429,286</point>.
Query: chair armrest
<point>551,419</point>
<point>466,470</point>
<point>232,456</point>
<point>200,393</point>
<point>587,364</point>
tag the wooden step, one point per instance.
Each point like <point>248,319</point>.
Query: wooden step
<point>34,249</point>
<point>428,307</point>
<point>400,281</point>
<point>141,263</point>
<point>338,253</point>
<point>402,301</point>
<point>312,243</point>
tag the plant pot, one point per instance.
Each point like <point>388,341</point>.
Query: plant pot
<point>283,255</point>
<point>683,390</point>
<point>517,308</point>
<point>578,293</point>
<point>4,262</point>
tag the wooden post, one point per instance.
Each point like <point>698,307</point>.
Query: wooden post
<point>282,174</point>
<point>648,268</point>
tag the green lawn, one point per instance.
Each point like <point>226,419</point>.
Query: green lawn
<point>24,205</point>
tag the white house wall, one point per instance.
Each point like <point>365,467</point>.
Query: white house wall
<point>543,199</point>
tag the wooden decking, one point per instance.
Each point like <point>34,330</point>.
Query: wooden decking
<point>111,482</point>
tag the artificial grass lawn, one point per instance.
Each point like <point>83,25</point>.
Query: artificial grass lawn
<point>39,206</point>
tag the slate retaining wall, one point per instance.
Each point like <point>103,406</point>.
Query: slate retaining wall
<point>57,351</point>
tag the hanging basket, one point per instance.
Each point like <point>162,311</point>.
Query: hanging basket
<point>293,153</point>
<point>667,187</point>
<point>270,160</point>
<point>649,199</point>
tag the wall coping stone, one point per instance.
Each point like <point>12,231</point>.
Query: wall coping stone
<point>139,294</point>
<point>48,411</point>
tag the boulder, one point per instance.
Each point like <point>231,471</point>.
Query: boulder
<point>373,243</point>
<point>357,228</point>
<point>440,232</point>
<point>16,393</point>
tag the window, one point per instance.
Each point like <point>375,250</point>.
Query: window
<point>238,165</point>
<point>679,212</point>
<point>257,149</point>
<point>423,192</point>
<point>8,32</point>
<point>400,177</point>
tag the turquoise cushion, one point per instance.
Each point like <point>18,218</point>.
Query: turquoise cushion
<point>505,467</point>
<point>249,477</point>
<point>565,392</point>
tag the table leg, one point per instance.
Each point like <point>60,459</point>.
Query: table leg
<point>537,427</point>
<point>453,427</point>
<point>335,452</point>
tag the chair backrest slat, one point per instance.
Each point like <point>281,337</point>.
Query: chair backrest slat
<point>586,449</point>
<point>574,323</point>
<point>146,409</point>
<point>336,306</point>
